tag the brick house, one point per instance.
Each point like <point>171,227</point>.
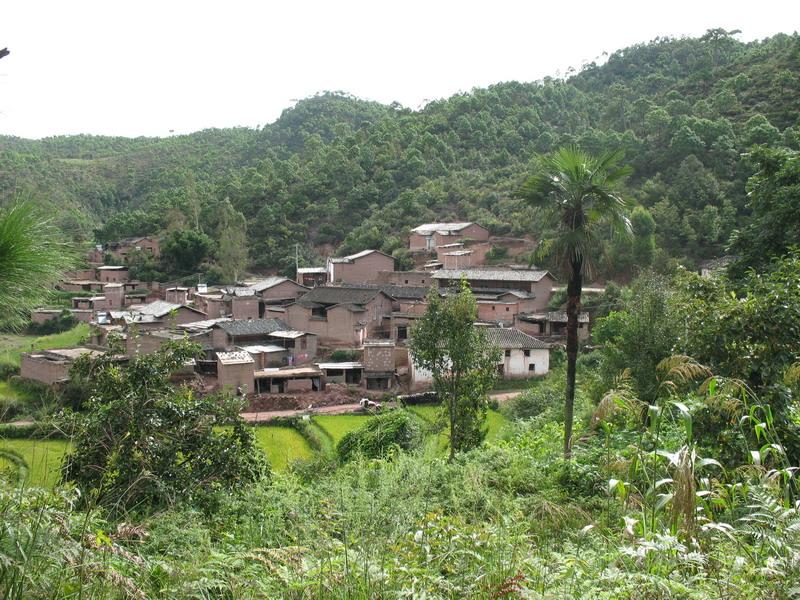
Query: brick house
<point>538,284</point>
<point>123,248</point>
<point>312,276</point>
<point>551,325</point>
<point>297,347</point>
<point>112,274</point>
<point>51,366</point>
<point>378,364</point>
<point>431,235</point>
<point>362,267</point>
<point>341,315</point>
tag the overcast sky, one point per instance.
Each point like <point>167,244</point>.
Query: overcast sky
<point>151,67</point>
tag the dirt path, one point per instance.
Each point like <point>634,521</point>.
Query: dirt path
<point>503,396</point>
<point>268,415</point>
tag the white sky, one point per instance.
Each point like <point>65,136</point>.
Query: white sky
<point>142,67</point>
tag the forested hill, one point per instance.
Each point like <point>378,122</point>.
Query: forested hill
<point>338,173</point>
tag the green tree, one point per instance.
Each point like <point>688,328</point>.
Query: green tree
<point>143,443</point>
<point>232,253</point>
<point>576,193</point>
<point>774,199</point>
<point>184,250</point>
<point>447,343</point>
<point>644,229</point>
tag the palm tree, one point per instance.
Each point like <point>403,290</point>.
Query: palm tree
<point>32,259</point>
<point>575,192</point>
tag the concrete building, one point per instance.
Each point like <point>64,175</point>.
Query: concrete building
<point>378,364</point>
<point>362,267</point>
<point>235,372</point>
<point>430,235</point>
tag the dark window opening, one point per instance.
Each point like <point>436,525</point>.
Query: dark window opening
<point>508,352</point>
<point>532,367</point>
<point>527,352</point>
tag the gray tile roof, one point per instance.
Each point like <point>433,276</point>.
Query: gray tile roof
<point>514,339</point>
<point>252,326</point>
<point>330,294</point>
<point>490,274</point>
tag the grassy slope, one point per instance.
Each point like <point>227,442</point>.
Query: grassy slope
<point>11,346</point>
<point>338,425</point>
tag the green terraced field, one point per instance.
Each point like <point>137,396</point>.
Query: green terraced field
<point>338,425</point>
<point>494,420</point>
<point>43,457</point>
<point>282,445</point>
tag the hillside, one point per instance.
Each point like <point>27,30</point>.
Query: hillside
<point>338,172</point>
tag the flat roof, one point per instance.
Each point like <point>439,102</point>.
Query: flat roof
<point>112,268</point>
<point>491,274</point>
<point>304,270</point>
<point>340,365</point>
<point>234,358</point>
<point>262,348</point>
<point>290,373</point>
<point>289,335</point>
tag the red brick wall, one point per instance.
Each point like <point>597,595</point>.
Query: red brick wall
<point>362,270</point>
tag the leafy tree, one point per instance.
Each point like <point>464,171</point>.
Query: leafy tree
<point>143,444</point>
<point>447,343</point>
<point>232,254</point>
<point>184,250</point>
<point>576,193</point>
<point>774,198</point>
<point>32,259</point>
<point>644,245</point>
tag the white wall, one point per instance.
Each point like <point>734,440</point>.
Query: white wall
<point>517,365</point>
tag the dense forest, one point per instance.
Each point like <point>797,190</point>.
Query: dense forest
<point>338,174</point>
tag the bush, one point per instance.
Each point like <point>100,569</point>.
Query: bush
<point>540,400</point>
<point>345,355</point>
<point>377,437</point>
<point>8,370</point>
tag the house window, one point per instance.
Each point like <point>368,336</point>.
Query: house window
<point>527,353</point>
<point>406,281</point>
<point>507,309</point>
<point>302,343</point>
<point>402,332</point>
<point>319,313</point>
<point>493,307</point>
<point>508,353</point>
<point>532,367</point>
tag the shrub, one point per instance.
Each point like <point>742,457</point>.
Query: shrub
<point>8,370</point>
<point>345,355</point>
<point>376,438</point>
<point>63,322</point>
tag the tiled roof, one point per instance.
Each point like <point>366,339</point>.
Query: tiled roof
<point>490,274</point>
<point>330,294</point>
<point>252,326</point>
<point>159,308</point>
<point>509,338</point>
<point>429,228</point>
<point>265,284</point>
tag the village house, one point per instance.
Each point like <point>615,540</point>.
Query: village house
<point>522,356</point>
<point>551,325</point>
<point>414,278</point>
<point>312,276</point>
<point>80,285</point>
<point>362,267</point>
<point>341,315</point>
<point>161,314</point>
<point>297,347</point>
<point>429,236</point>
<point>538,284</point>
<point>51,366</point>
<point>112,274</point>
<point>42,315</point>
<point>379,364</point>
<point>122,248</point>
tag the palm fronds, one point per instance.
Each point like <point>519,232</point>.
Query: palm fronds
<point>32,258</point>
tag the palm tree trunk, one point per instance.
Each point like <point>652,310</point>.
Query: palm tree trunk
<point>574,288</point>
